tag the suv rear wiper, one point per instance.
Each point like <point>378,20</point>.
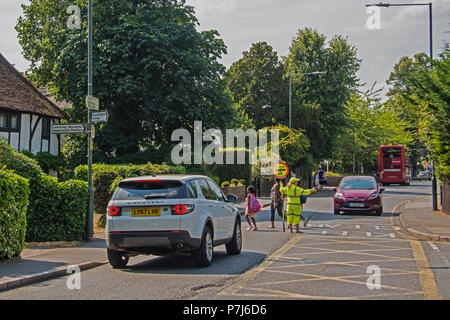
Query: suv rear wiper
<point>154,196</point>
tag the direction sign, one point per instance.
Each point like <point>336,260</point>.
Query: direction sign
<point>280,170</point>
<point>92,103</point>
<point>69,128</point>
<point>100,116</point>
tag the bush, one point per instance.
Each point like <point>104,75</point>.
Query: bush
<point>104,175</point>
<point>56,211</point>
<point>14,191</point>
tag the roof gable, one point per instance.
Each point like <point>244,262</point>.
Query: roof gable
<point>18,94</point>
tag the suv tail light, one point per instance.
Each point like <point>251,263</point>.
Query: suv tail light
<point>182,209</point>
<point>114,211</point>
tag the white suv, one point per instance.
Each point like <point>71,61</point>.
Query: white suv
<point>168,214</point>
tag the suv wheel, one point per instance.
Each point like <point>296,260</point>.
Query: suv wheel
<point>235,245</point>
<point>204,254</point>
<point>117,259</point>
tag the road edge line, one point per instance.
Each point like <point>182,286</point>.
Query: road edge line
<point>46,275</point>
<point>426,276</point>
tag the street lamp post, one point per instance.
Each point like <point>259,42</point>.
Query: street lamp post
<point>90,226</point>
<point>290,91</point>
<point>430,14</point>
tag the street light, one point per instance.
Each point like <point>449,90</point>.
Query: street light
<point>430,7</point>
<point>290,91</point>
<point>90,234</point>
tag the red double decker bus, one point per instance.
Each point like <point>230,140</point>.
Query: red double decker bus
<point>394,167</point>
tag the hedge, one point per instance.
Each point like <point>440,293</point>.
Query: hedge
<point>103,176</point>
<point>14,193</point>
<point>56,211</point>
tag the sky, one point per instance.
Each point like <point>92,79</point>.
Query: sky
<point>403,30</point>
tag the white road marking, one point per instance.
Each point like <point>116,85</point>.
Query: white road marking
<point>377,227</point>
<point>324,232</point>
<point>385,235</point>
<point>345,233</point>
<point>432,245</point>
<point>369,234</point>
<point>332,226</point>
<point>357,226</point>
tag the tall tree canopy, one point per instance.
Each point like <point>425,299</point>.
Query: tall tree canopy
<point>318,101</point>
<point>153,71</point>
<point>257,86</point>
<point>401,99</point>
<point>370,124</point>
<point>421,92</point>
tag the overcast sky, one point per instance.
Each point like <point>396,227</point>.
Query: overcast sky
<point>404,30</point>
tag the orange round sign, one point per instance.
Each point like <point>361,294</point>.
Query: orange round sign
<point>280,170</point>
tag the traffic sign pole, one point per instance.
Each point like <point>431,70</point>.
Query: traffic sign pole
<point>90,222</point>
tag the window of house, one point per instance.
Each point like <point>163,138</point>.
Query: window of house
<point>9,121</point>
<point>45,128</point>
<point>3,120</point>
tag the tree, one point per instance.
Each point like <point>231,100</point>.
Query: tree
<point>432,94</point>
<point>153,71</point>
<point>420,91</point>
<point>318,101</point>
<point>370,124</point>
<point>257,86</point>
<point>400,93</point>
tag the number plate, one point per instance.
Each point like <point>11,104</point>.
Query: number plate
<point>146,212</point>
<point>356,204</point>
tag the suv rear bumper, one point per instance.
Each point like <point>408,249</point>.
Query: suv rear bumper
<point>152,242</point>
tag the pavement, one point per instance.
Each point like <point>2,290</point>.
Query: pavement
<point>41,262</point>
<point>421,222</point>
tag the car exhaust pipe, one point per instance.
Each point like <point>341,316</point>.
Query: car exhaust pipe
<point>180,245</point>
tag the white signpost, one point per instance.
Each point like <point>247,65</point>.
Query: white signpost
<point>92,103</point>
<point>100,116</point>
<point>72,128</point>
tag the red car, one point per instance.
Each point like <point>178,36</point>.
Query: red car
<point>358,193</point>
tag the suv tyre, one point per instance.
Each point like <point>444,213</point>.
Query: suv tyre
<point>204,254</point>
<point>117,259</point>
<point>235,245</point>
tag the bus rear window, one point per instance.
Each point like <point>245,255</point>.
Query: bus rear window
<point>150,189</point>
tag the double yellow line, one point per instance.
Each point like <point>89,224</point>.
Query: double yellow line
<point>426,276</point>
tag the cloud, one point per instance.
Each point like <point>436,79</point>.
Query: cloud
<point>221,6</point>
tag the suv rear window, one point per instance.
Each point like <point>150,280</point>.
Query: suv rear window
<point>151,189</point>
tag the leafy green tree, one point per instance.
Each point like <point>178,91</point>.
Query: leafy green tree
<point>318,101</point>
<point>370,124</point>
<point>431,92</point>
<point>153,71</point>
<point>257,86</point>
<point>401,82</point>
<point>293,147</point>
<point>420,91</point>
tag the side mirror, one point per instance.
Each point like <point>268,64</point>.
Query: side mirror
<point>381,190</point>
<point>232,198</point>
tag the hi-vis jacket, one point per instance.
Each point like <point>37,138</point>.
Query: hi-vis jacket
<point>293,193</point>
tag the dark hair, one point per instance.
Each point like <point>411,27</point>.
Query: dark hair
<point>250,189</point>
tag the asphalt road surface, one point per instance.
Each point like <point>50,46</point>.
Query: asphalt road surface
<point>355,256</point>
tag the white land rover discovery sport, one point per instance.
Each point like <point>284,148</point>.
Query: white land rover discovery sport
<point>165,214</point>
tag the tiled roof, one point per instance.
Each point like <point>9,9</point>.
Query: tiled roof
<point>18,94</point>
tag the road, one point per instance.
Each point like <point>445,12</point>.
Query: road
<point>336,257</point>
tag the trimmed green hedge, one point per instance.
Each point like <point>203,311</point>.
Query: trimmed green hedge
<point>104,175</point>
<point>56,211</point>
<point>14,193</point>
